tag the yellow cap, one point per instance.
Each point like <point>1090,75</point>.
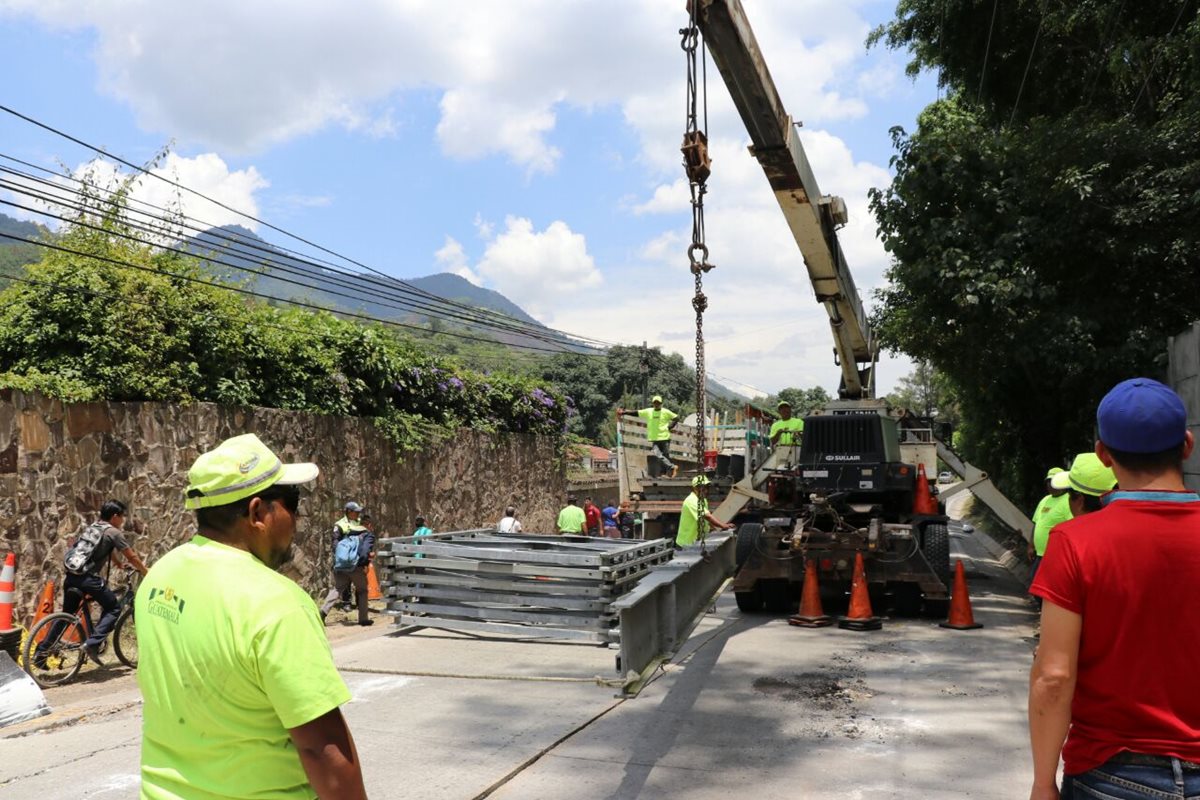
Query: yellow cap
<point>238,468</point>
<point>700,480</point>
<point>1088,475</point>
<point>1054,471</point>
<point>656,399</point>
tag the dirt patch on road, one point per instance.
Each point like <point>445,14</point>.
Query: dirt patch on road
<point>834,696</point>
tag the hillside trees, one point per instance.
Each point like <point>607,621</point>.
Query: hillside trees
<point>1044,215</point>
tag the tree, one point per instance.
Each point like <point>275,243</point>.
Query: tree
<point>1043,215</point>
<point>804,401</point>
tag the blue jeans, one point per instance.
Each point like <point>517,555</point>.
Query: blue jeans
<point>1112,781</point>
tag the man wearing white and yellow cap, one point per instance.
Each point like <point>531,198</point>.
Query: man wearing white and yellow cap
<point>1113,685</point>
<point>787,430</point>
<point>1052,509</point>
<point>659,424</point>
<point>694,519</point>
<point>240,694</point>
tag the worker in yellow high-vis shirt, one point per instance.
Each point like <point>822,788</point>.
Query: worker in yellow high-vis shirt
<point>787,430</point>
<point>659,424</point>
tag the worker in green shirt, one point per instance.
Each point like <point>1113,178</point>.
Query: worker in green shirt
<point>571,519</point>
<point>1054,508</point>
<point>694,518</point>
<point>787,430</point>
<point>659,424</point>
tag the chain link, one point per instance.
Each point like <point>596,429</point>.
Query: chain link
<point>698,166</point>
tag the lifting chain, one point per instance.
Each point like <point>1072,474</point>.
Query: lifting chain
<point>698,166</point>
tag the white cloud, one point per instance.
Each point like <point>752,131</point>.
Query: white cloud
<point>150,199</point>
<point>453,258</point>
<point>242,76</point>
<point>542,271</point>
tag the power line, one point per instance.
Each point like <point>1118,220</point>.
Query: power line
<point>1028,64</point>
<point>505,323</point>
<point>987,51</point>
<point>1158,54</point>
<point>218,203</point>
<point>250,270</point>
<point>264,296</point>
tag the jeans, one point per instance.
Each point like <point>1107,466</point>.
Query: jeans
<point>659,450</point>
<point>356,578</point>
<point>95,587</point>
<point>1114,781</point>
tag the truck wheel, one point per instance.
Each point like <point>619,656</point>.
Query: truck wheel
<point>935,544</point>
<point>749,602</point>
<point>747,542</point>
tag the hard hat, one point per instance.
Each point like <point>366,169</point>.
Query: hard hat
<point>700,480</point>
<point>1088,475</point>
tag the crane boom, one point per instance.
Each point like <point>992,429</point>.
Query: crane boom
<point>812,217</point>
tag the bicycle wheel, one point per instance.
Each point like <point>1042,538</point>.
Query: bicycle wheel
<point>125,639</point>
<point>54,650</point>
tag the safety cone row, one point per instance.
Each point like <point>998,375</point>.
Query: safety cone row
<point>811,615</point>
<point>859,616</point>
<point>373,590</point>
<point>8,577</point>
<point>961,616</point>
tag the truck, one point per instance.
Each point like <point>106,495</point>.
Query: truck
<point>859,481</point>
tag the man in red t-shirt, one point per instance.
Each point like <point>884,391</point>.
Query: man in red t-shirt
<point>1115,672</point>
<point>592,515</point>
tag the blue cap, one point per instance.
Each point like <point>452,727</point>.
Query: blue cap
<point>1141,415</point>
<point>353,506</point>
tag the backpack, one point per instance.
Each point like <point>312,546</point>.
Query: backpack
<point>345,553</point>
<point>79,556</point>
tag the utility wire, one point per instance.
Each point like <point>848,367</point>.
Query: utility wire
<point>264,296</point>
<point>239,247</point>
<point>241,268</point>
<point>1157,55</point>
<point>987,51</point>
<point>1028,64</point>
<point>201,195</point>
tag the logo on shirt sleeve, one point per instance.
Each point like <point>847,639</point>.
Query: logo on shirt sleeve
<point>166,604</point>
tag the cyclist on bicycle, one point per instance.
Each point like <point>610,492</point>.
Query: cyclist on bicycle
<point>85,558</point>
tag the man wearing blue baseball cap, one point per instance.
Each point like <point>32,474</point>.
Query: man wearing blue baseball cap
<point>240,694</point>
<point>1114,675</point>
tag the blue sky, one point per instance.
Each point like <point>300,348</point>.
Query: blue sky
<point>530,146</point>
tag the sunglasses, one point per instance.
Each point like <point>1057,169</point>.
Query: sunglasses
<point>289,496</point>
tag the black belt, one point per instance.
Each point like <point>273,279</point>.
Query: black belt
<point>1147,760</point>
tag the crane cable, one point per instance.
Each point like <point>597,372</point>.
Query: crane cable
<point>698,166</point>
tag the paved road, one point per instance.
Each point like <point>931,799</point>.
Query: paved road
<point>751,707</point>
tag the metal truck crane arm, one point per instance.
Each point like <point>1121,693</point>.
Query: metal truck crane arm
<point>812,217</point>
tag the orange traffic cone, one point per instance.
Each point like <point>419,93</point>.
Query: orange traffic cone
<point>923,499</point>
<point>811,614</point>
<point>45,606</point>
<point>861,617</point>
<point>961,618</point>
<point>373,590</point>
<point>8,576</point>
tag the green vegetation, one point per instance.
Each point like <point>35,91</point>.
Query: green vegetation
<point>132,322</point>
<point>1044,215</point>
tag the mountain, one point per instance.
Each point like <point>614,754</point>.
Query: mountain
<point>17,227</point>
<point>240,255</point>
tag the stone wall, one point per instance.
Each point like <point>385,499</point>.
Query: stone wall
<point>1183,375</point>
<point>59,462</point>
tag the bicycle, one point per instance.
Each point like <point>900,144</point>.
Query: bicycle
<point>63,656</point>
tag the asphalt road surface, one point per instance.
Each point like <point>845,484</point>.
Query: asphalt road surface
<point>751,707</point>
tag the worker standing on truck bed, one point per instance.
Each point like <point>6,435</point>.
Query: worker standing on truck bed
<point>694,519</point>
<point>787,430</point>
<point>659,424</point>
<point>1114,675</point>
